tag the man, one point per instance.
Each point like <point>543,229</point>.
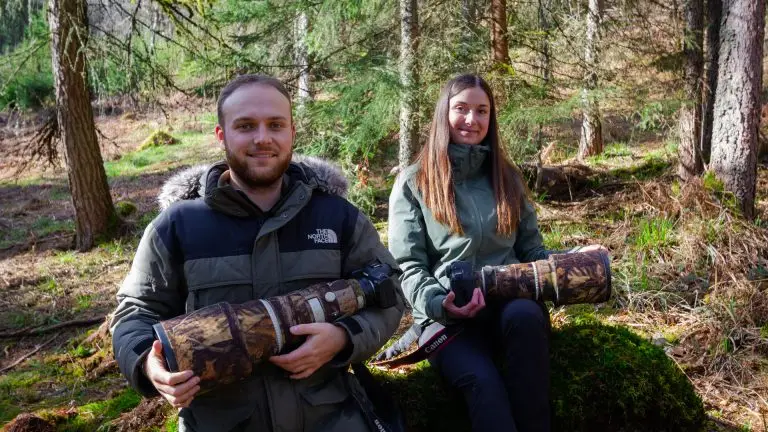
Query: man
<point>265,226</point>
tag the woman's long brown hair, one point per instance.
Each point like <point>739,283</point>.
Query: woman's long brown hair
<point>435,175</point>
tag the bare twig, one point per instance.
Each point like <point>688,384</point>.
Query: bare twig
<point>27,355</point>
<point>40,330</point>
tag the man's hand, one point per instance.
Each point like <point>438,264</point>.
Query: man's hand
<point>178,388</point>
<point>324,341</point>
<point>469,310</point>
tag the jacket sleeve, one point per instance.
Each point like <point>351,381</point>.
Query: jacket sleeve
<point>529,244</point>
<point>371,328</point>
<point>408,244</point>
<point>150,293</point>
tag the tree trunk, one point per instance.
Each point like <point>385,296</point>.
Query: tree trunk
<point>690,163</point>
<point>499,38</point>
<point>409,26</point>
<point>468,13</point>
<point>468,33</point>
<point>545,26</point>
<point>545,67</point>
<point>302,60</point>
<point>737,101</point>
<point>714,15</point>
<point>591,142</point>
<point>94,213</point>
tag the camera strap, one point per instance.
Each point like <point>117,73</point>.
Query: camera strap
<point>379,409</point>
<point>431,345</point>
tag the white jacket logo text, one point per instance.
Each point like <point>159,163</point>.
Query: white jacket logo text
<point>324,236</point>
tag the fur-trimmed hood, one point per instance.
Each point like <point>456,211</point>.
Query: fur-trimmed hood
<point>190,183</point>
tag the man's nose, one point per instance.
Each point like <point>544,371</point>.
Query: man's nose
<point>261,134</point>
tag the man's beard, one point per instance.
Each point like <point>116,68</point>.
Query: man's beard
<point>258,177</point>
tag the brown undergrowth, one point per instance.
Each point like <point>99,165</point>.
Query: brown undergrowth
<point>710,296</point>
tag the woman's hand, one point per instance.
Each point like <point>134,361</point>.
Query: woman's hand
<point>469,310</point>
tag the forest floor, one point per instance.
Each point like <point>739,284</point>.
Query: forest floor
<point>689,273</point>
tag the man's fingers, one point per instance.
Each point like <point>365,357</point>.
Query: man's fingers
<point>306,329</point>
<point>304,374</point>
<point>177,399</point>
<point>157,349</point>
<point>172,378</point>
<point>181,389</point>
<point>291,360</point>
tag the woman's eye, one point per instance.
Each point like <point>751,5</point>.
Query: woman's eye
<point>459,108</point>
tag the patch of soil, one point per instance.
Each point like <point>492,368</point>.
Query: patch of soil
<point>148,414</point>
<point>29,423</point>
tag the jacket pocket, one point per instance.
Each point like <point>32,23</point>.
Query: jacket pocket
<point>213,280</point>
<point>203,296</point>
<point>329,407</point>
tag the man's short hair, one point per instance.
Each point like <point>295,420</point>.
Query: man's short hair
<point>244,80</point>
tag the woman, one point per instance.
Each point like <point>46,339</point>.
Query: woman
<point>464,200</point>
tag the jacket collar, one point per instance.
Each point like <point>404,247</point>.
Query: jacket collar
<point>203,181</point>
<point>468,160</point>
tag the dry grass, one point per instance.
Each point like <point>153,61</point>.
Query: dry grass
<point>699,288</point>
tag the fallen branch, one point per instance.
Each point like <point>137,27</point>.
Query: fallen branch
<point>40,330</point>
<point>27,355</point>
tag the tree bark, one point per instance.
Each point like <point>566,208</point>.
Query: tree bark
<point>94,212</point>
<point>737,101</point>
<point>499,38</point>
<point>690,163</point>
<point>714,15</point>
<point>545,26</point>
<point>591,142</point>
<point>409,27</point>
<point>545,68</point>
<point>302,60</point>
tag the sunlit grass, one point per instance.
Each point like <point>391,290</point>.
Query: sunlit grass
<point>194,148</point>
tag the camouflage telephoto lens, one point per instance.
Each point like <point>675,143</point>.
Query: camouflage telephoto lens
<point>562,278</point>
<point>223,343</point>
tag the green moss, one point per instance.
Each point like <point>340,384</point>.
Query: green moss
<point>608,378</point>
<point>8,412</point>
<point>158,138</point>
<point>92,415</point>
<point>125,208</point>
<point>604,378</point>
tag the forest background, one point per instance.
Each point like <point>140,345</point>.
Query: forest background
<point>636,122</point>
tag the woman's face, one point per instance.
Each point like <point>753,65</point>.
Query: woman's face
<point>469,114</point>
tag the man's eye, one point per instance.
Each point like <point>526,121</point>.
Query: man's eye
<point>245,126</point>
<point>276,125</point>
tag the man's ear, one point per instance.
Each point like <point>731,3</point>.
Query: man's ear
<point>293,132</point>
<point>219,132</point>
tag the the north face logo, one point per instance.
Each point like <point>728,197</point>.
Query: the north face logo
<point>325,235</point>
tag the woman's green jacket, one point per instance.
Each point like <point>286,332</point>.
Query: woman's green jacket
<point>424,248</point>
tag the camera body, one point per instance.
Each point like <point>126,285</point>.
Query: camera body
<point>378,287</point>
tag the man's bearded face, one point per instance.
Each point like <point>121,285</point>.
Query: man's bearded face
<point>258,136</point>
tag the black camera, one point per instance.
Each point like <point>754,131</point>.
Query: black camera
<point>463,282</point>
<point>378,287</point>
